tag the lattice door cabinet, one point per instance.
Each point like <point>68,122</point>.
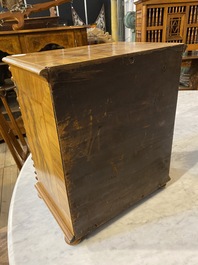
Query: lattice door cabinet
<point>167,21</point>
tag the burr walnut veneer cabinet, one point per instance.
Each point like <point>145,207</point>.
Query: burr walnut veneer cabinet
<point>99,121</point>
<point>35,40</point>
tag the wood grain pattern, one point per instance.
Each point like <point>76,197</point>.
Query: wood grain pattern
<point>24,41</point>
<point>33,40</point>
<point>39,121</point>
<point>42,63</point>
<point>99,132</point>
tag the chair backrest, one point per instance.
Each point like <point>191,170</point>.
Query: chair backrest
<point>18,147</point>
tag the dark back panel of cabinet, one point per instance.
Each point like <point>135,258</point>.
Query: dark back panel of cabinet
<point>115,124</point>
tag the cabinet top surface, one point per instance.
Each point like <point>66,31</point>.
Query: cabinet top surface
<point>39,30</point>
<point>72,57</point>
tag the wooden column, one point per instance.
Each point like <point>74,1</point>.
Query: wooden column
<point>114,20</point>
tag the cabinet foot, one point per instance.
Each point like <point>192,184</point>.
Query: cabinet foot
<point>162,186</point>
<point>73,242</point>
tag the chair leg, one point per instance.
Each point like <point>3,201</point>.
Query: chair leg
<point>13,121</point>
<point>11,141</point>
<point>18,148</point>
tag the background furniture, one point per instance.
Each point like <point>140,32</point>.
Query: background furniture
<point>93,9</point>
<point>167,21</point>
<point>34,40</point>
<point>162,229</point>
<point>25,41</point>
<point>18,147</point>
<point>189,72</point>
<point>88,153</point>
<point>8,104</point>
<point>21,11</point>
<point>32,23</point>
<point>171,21</point>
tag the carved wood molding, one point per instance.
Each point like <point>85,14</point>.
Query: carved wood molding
<point>20,16</point>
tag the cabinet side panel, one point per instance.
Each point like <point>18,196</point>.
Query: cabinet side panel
<point>115,121</point>
<point>38,116</point>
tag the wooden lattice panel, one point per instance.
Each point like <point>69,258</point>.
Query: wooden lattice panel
<point>163,21</point>
<point>155,17</point>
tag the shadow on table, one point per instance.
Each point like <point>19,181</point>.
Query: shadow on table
<point>181,163</point>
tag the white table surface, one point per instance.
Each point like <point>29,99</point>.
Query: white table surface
<point>161,230</point>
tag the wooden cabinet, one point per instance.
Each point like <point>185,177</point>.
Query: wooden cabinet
<point>34,40</point>
<point>167,21</point>
<point>99,121</point>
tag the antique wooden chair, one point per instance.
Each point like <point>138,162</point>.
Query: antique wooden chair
<point>18,147</point>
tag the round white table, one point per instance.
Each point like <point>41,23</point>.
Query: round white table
<point>162,229</point>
